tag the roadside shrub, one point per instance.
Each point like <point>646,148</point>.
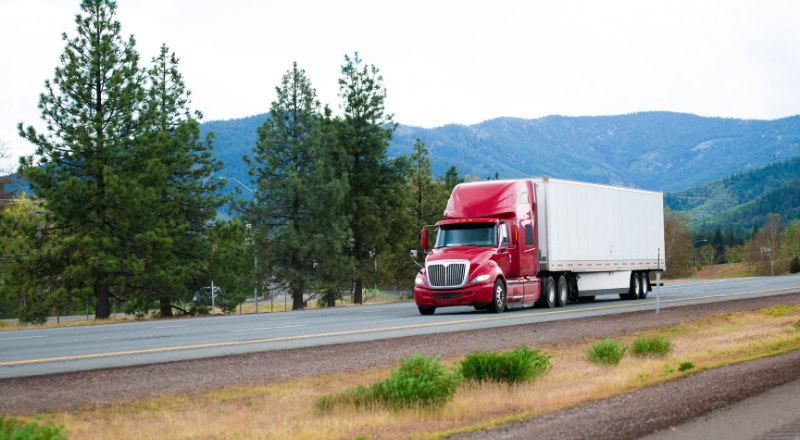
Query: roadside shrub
<point>418,380</point>
<point>11,429</point>
<point>794,266</point>
<point>200,309</point>
<point>657,346</point>
<point>797,325</point>
<point>519,365</point>
<point>607,352</point>
<point>685,366</point>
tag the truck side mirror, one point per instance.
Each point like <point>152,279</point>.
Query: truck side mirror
<point>424,238</point>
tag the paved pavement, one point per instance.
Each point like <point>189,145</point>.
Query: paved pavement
<point>47,351</point>
<point>772,415</point>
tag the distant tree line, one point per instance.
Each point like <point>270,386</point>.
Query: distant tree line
<point>126,193</point>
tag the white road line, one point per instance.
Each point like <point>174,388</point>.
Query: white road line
<point>26,337</point>
<point>372,311</point>
<point>289,326</point>
<point>252,329</point>
<point>174,326</point>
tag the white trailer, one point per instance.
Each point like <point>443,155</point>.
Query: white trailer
<point>602,234</point>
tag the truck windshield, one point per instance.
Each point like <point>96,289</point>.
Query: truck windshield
<point>475,234</point>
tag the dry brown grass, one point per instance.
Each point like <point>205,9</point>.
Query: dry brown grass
<point>8,326</point>
<point>285,408</point>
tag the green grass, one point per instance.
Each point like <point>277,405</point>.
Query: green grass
<point>657,346</point>
<point>519,365</point>
<point>778,311</point>
<point>685,366</point>
<point>607,352</point>
<point>797,325</point>
<point>11,429</point>
<point>418,381</point>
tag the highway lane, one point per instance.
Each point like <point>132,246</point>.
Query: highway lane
<point>47,351</point>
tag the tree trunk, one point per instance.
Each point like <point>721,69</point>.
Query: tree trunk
<point>331,299</point>
<point>102,309</point>
<point>166,307</point>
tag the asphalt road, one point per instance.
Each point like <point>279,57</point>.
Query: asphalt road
<point>48,351</point>
<point>772,415</point>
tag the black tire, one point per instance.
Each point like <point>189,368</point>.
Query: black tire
<point>498,304</point>
<point>585,299</point>
<point>633,293</point>
<point>644,284</point>
<point>562,291</point>
<point>547,299</point>
<point>426,310</point>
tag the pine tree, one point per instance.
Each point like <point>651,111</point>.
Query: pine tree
<point>295,186</point>
<point>186,195</point>
<point>90,162</point>
<point>375,199</point>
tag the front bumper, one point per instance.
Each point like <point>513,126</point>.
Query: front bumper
<point>470,295</point>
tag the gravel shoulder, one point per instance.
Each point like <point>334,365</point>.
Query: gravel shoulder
<point>653,408</point>
<point>82,390</point>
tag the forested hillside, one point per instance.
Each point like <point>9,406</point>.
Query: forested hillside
<point>654,150</point>
<point>707,200</point>
<point>784,201</point>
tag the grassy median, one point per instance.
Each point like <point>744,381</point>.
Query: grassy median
<point>288,408</point>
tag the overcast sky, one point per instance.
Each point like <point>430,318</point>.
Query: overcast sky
<point>443,62</point>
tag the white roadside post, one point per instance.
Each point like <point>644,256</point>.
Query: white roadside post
<point>658,282</point>
<point>212,299</point>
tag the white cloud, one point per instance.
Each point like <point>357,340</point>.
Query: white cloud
<point>443,62</point>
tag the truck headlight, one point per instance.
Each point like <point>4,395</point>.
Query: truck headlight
<point>420,281</point>
<point>480,278</point>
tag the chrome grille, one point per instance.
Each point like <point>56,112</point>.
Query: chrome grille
<point>447,275</point>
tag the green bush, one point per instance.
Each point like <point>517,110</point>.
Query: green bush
<point>685,366</point>
<point>418,380</point>
<point>200,309</point>
<point>797,325</point>
<point>607,352</point>
<point>516,366</point>
<point>794,266</point>
<point>13,430</point>
<point>657,346</point>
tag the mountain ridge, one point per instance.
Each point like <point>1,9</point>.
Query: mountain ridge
<point>663,151</point>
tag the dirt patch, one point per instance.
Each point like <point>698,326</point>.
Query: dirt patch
<point>73,391</point>
<point>653,408</point>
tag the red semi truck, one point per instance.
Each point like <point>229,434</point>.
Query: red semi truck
<point>517,243</point>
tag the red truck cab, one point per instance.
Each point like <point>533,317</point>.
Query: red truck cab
<point>485,250</point>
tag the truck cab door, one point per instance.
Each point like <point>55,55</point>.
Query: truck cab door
<point>504,255</point>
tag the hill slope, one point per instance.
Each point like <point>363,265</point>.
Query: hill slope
<point>710,199</point>
<point>655,150</point>
<point>784,200</point>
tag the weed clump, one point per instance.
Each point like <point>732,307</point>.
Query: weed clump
<point>797,325</point>
<point>517,366</point>
<point>657,346</point>
<point>608,352</point>
<point>12,429</point>
<point>780,310</point>
<point>685,366</point>
<point>418,380</point>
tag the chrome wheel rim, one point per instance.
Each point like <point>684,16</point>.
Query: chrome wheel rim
<point>636,285</point>
<point>551,293</point>
<point>500,296</point>
<point>562,293</point>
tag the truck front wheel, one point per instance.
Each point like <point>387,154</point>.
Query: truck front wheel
<point>498,304</point>
<point>548,297</point>
<point>427,310</point>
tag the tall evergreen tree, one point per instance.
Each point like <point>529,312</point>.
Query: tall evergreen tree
<point>91,160</point>
<point>293,180</point>
<point>375,199</point>
<point>185,196</point>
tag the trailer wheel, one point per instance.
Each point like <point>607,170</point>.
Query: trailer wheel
<point>644,284</point>
<point>498,304</point>
<point>561,292</point>
<point>548,297</point>
<point>633,291</point>
<point>426,310</point>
